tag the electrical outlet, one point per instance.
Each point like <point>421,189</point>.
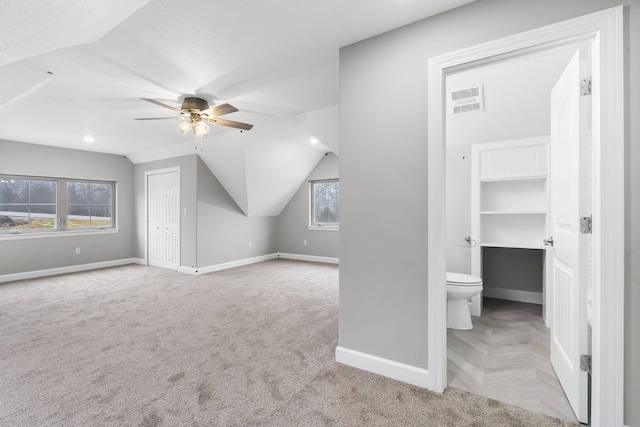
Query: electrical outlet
<point>250,244</point>
<point>77,251</point>
<point>304,242</point>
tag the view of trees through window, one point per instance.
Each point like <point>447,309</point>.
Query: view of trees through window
<point>28,204</point>
<point>89,204</point>
<point>36,204</point>
<point>326,206</point>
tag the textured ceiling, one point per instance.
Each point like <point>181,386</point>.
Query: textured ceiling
<point>276,60</point>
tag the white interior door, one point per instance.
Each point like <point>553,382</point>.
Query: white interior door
<point>163,215</point>
<point>569,329</point>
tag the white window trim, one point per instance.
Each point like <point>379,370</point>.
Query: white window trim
<point>317,227</point>
<point>314,226</point>
<point>64,233</point>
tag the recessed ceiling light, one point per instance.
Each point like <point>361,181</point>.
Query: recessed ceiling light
<point>314,141</point>
<point>89,139</point>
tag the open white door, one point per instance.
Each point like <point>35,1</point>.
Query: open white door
<point>569,181</point>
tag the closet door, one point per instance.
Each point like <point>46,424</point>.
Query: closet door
<point>163,215</point>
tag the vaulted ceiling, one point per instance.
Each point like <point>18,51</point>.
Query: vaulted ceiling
<point>76,68</point>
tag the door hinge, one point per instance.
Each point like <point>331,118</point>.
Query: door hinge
<point>585,87</point>
<point>585,363</point>
<point>586,224</point>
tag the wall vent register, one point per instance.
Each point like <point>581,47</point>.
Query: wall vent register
<point>468,100</point>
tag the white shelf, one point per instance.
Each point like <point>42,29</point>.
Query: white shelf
<point>509,196</point>
<point>513,213</point>
<point>514,178</point>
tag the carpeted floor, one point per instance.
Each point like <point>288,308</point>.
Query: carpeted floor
<point>142,346</point>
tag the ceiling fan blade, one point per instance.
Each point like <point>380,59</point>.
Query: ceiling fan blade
<point>162,118</point>
<point>153,101</point>
<point>230,123</point>
<point>220,110</point>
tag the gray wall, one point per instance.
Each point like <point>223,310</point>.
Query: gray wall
<point>383,166</point>
<point>293,222</point>
<point>214,230</point>
<point>511,268</point>
<point>223,231</point>
<point>458,197</point>
<point>30,254</point>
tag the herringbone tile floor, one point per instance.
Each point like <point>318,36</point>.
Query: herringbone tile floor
<point>506,357</point>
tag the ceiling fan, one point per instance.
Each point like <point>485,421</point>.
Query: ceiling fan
<point>195,113</point>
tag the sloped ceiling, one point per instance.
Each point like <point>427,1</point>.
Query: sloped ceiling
<point>516,98</point>
<point>78,68</point>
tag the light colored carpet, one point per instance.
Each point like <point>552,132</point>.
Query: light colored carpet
<point>142,346</point>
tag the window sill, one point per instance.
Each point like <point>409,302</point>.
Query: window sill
<point>324,228</point>
<point>48,234</point>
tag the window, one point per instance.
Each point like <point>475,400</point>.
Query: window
<point>325,204</point>
<point>30,204</point>
<point>89,204</point>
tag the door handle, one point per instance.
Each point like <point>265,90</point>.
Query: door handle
<point>548,242</point>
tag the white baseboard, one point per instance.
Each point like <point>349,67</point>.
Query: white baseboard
<point>513,295</point>
<point>311,258</point>
<point>385,367</point>
<point>70,269</point>
<point>227,265</point>
<point>141,261</point>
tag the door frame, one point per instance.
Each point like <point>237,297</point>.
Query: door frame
<point>146,210</point>
<point>606,28</point>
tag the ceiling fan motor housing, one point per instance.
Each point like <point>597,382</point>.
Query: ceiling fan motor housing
<point>194,105</point>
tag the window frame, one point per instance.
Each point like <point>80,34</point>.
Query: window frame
<point>312,224</point>
<point>62,210</point>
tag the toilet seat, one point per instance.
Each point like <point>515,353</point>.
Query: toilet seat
<point>459,279</point>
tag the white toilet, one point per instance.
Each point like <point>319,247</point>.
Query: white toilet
<point>460,289</point>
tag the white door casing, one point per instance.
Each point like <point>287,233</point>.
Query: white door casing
<point>163,218</point>
<point>606,27</point>
<point>569,279</point>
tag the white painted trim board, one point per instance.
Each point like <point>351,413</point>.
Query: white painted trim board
<point>187,270</point>
<point>385,367</point>
<point>227,265</point>
<point>69,269</point>
<point>310,258</point>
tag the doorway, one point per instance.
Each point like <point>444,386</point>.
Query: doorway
<point>162,189</point>
<point>497,158</point>
<point>605,28</point>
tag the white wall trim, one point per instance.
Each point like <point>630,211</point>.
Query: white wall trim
<point>385,367</point>
<point>310,258</point>
<point>513,295</point>
<point>607,28</point>
<point>227,265</point>
<point>69,269</point>
<point>142,261</point>
<point>247,261</point>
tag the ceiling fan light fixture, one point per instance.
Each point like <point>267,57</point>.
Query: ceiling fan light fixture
<point>201,129</point>
<point>185,127</point>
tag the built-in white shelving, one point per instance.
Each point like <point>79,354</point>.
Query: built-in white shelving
<point>509,195</point>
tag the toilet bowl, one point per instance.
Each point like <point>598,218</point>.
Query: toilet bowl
<point>460,289</point>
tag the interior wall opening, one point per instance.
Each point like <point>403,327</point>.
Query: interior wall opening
<point>496,221</point>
